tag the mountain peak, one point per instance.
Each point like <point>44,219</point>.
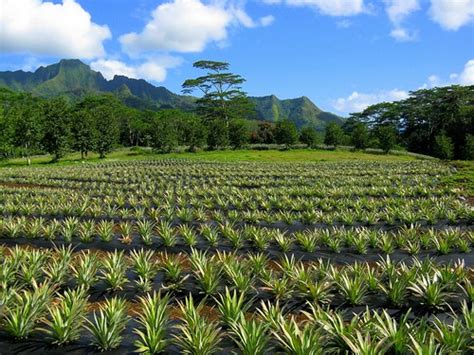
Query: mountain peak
<point>74,78</point>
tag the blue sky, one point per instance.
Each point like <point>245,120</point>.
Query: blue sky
<point>343,54</point>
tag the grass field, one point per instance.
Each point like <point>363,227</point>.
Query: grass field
<point>296,155</point>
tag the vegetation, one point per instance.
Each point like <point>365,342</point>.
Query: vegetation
<point>190,256</point>
<point>435,121</point>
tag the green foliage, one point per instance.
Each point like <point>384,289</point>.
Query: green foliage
<point>308,136</point>
<point>443,147</point>
<point>426,115</point>
<point>360,136</point>
<point>334,135</point>
<point>387,136</point>
<point>238,133</point>
<point>469,147</point>
<point>286,133</point>
<point>223,98</point>
<point>218,134</point>
<point>164,132</point>
<point>56,116</point>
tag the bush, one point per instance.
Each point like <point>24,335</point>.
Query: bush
<point>469,147</point>
<point>308,136</point>
<point>443,147</point>
<point>334,134</point>
<point>387,136</point>
<point>286,132</point>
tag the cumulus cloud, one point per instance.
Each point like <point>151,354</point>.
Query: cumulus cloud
<point>465,77</point>
<point>43,28</point>
<point>182,26</point>
<point>188,26</point>
<point>397,11</point>
<point>152,69</point>
<point>358,101</point>
<point>331,7</point>
<point>452,14</point>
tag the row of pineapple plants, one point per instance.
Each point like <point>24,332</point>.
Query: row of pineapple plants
<point>412,239</point>
<point>420,283</point>
<point>63,319</point>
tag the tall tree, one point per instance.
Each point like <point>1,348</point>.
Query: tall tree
<point>222,95</point>
<point>107,129</point>
<point>57,132</point>
<point>387,135</point>
<point>84,132</point>
<point>360,136</point>
<point>286,132</point>
<point>308,136</point>
<point>239,134</point>
<point>334,134</point>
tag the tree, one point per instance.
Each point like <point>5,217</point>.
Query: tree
<point>238,133</point>
<point>286,132</point>
<point>387,136</point>
<point>194,133</point>
<point>360,136</point>
<point>223,97</point>
<point>265,133</point>
<point>469,147</point>
<point>56,118</point>
<point>426,114</point>
<point>443,147</point>
<point>6,133</point>
<point>164,131</point>
<point>106,126</point>
<point>308,136</point>
<point>84,132</point>
<point>28,128</point>
<point>218,134</point>
<point>334,134</point>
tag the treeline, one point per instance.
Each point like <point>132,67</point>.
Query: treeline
<point>32,125</point>
<point>437,122</point>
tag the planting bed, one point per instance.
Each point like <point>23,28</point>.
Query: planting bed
<point>200,257</point>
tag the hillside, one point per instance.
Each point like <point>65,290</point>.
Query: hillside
<point>74,79</point>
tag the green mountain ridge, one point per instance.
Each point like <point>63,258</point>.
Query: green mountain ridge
<point>75,79</point>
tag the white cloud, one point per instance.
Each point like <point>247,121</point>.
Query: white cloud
<point>189,26</point>
<point>182,26</point>
<point>452,14</point>
<point>332,7</point>
<point>357,101</point>
<point>466,77</point>
<point>403,35</point>
<point>152,69</point>
<point>266,20</point>
<point>44,28</point>
<point>398,11</point>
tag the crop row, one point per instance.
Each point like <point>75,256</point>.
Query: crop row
<point>412,239</point>
<point>419,283</point>
<point>49,292</point>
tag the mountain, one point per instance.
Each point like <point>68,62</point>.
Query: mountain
<point>75,79</point>
<point>301,110</point>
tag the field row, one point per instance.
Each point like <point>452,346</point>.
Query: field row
<point>411,239</point>
<point>249,302</point>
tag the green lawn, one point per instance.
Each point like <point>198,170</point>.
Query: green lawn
<point>300,155</point>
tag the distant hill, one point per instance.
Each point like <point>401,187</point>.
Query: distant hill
<point>75,79</point>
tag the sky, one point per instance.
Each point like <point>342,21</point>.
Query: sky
<point>342,54</point>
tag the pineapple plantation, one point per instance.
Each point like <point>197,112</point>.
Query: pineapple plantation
<point>180,256</point>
